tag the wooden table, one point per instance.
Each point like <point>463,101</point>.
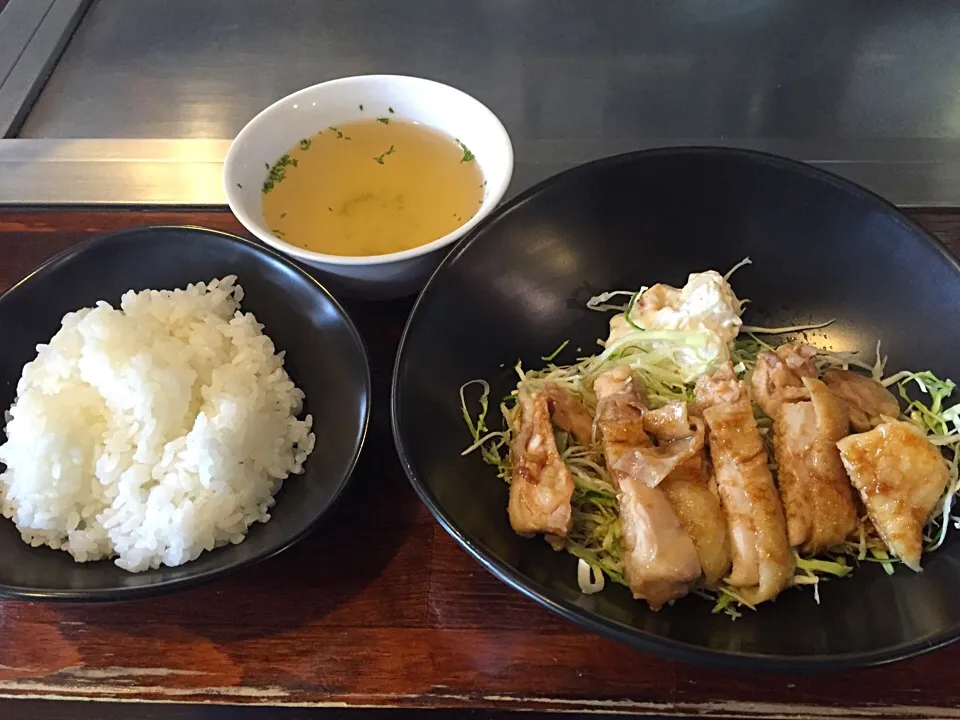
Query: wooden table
<point>379,607</point>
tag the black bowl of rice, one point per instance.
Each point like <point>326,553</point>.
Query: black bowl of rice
<point>178,403</point>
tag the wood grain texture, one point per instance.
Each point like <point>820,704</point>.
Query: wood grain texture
<point>405,618</point>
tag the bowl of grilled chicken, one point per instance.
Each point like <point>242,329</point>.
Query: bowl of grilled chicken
<point>699,400</point>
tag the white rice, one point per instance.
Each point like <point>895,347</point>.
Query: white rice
<point>153,432</point>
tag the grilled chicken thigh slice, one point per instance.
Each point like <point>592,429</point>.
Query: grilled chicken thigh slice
<point>778,376</point>
<point>542,484</point>
<point>817,496</point>
<point>762,558</point>
<point>660,560</point>
<point>901,476</point>
<point>867,401</point>
<point>692,491</point>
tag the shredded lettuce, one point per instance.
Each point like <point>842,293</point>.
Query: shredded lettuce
<point>553,356</point>
<point>762,330</point>
<point>726,600</point>
<point>601,303</point>
<point>489,443</point>
<point>743,263</point>
<point>589,577</point>
<point>816,567</point>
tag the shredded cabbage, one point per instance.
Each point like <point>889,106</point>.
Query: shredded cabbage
<point>589,578</point>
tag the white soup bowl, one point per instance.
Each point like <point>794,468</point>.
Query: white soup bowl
<point>279,127</point>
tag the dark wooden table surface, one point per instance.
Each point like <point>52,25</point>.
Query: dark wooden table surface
<point>399,617</point>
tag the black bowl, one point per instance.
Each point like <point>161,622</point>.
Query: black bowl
<point>325,357</point>
<point>517,286</point>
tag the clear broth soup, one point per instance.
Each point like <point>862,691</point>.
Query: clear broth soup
<point>372,187</point>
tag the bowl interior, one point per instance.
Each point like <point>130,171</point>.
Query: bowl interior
<point>300,317</point>
<point>279,127</point>
<point>821,249</point>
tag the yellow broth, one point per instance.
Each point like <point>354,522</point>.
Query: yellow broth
<point>372,187</point>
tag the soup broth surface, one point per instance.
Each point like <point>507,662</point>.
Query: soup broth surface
<point>372,187</point>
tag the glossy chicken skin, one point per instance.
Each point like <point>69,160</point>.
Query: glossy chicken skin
<point>659,558</point>
<point>568,413</point>
<point>542,484</point>
<point>778,376</point>
<point>645,461</point>
<point>670,422</point>
<point>901,476</point>
<point>867,401</point>
<point>816,493</point>
<point>692,491</point>
<point>762,558</point>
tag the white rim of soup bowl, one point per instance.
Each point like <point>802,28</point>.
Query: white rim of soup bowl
<point>496,188</point>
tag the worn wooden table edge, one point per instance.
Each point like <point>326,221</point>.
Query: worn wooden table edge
<point>717,709</point>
